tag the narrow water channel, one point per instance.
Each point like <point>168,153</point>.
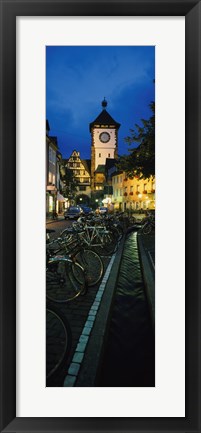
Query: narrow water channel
<point>129,358</point>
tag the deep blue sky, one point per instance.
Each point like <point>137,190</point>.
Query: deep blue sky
<point>79,77</point>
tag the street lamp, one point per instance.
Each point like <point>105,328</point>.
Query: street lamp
<point>96,201</point>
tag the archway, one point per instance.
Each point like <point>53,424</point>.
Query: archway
<point>82,200</point>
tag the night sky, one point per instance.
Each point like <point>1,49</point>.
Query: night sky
<point>79,77</point>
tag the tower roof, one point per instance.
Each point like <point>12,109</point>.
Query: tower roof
<point>100,169</point>
<point>104,118</point>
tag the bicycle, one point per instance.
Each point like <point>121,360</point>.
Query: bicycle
<point>54,215</point>
<point>95,235</point>
<point>58,342</point>
<point>87,258</point>
<point>149,225</point>
<point>65,277</point>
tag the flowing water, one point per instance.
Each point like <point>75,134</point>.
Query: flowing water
<point>129,358</point>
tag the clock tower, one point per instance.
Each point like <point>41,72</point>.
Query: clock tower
<point>104,141</point>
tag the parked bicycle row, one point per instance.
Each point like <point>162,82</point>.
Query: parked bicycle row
<point>74,265</point>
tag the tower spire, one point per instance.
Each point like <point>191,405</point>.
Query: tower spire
<point>104,103</point>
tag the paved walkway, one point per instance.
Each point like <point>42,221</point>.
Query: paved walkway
<point>54,220</point>
<point>80,313</point>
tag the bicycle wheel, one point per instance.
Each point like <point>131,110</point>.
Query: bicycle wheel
<point>79,275</point>
<point>58,342</point>
<point>92,265</point>
<point>147,229</point>
<point>109,244</point>
<point>116,234</point>
<point>120,231</point>
<point>61,285</point>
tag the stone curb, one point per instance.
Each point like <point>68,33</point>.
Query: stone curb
<point>55,220</point>
<point>89,369</point>
<point>148,278</point>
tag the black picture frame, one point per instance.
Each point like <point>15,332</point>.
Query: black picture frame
<point>191,9</point>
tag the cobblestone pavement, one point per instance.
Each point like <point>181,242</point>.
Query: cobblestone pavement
<point>76,312</point>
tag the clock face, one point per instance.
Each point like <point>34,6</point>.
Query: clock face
<point>104,137</point>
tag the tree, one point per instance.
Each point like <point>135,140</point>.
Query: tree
<point>141,160</point>
<point>69,182</point>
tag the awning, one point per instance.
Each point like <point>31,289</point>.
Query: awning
<point>60,197</point>
<point>51,188</point>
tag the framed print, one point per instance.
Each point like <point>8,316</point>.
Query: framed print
<point>32,32</point>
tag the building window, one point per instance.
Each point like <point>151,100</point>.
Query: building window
<point>52,155</point>
<point>108,155</point>
<point>51,203</point>
<point>99,155</point>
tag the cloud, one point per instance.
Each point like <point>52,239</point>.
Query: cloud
<point>79,77</point>
<point>77,86</point>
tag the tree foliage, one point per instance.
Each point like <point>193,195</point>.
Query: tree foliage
<point>69,182</point>
<point>141,159</point>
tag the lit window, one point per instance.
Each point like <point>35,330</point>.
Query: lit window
<point>52,155</point>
